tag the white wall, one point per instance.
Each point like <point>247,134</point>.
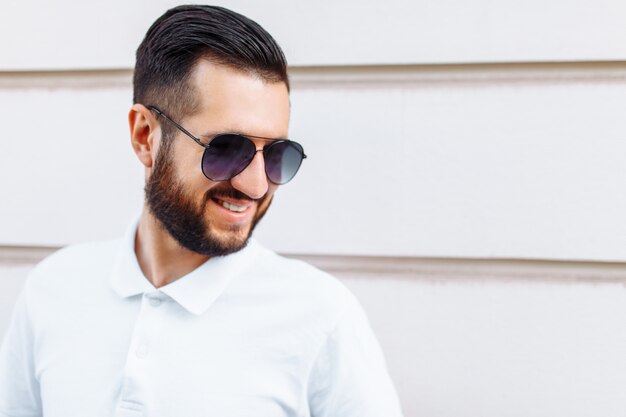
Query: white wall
<point>501,349</point>
<point>447,129</point>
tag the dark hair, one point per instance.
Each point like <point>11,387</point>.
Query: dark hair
<point>183,35</point>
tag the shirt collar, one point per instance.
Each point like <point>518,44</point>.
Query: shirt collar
<point>195,291</point>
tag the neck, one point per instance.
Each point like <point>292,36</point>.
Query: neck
<point>162,259</point>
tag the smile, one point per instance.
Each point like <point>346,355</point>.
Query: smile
<point>233,207</point>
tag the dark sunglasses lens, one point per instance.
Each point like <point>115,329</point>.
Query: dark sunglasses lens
<point>227,156</point>
<point>282,161</point>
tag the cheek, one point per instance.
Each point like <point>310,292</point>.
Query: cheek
<point>188,165</point>
<point>188,172</point>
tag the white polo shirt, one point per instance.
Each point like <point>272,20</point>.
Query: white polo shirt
<point>249,334</point>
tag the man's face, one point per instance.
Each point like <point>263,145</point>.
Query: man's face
<point>205,216</point>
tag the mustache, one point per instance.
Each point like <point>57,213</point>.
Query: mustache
<point>229,193</point>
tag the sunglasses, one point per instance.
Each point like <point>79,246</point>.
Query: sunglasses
<point>228,154</point>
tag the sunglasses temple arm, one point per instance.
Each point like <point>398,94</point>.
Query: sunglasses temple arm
<point>179,127</point>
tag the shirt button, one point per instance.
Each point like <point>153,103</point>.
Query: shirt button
<point>142,351</point>
<point>155,302</point>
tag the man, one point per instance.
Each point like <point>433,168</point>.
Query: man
<point>186,316</point>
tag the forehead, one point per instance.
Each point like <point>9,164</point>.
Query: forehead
<point>235,101</point>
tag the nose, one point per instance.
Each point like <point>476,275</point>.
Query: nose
<point>252,181</point>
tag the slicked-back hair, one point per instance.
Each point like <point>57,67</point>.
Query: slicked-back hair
<point>182,36</point>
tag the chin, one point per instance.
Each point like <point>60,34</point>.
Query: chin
<point>232,239</point>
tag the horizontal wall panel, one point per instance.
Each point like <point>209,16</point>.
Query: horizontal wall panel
<point>448,162</point>
<point>71,34</point>
<point>526,167</point>
<point>500,349</point>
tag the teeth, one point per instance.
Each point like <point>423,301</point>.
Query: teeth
<point>233,207</point>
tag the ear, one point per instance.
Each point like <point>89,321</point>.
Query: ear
<point>145,132</point>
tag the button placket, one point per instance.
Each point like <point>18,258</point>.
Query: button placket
<point>149,302</point>
<point>138,356</point>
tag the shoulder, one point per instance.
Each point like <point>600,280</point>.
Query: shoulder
<point>294,281</point>
<point>298,274</point>
<point>73,264</point>
<point>77,256</point>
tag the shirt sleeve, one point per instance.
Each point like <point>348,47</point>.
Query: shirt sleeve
<point>349,377</point>
<point>19,387</point>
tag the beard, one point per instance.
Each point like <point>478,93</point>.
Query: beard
<point>185,220</point>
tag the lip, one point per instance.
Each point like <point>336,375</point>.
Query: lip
<point>231,216</point>
<point>242,203</point>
